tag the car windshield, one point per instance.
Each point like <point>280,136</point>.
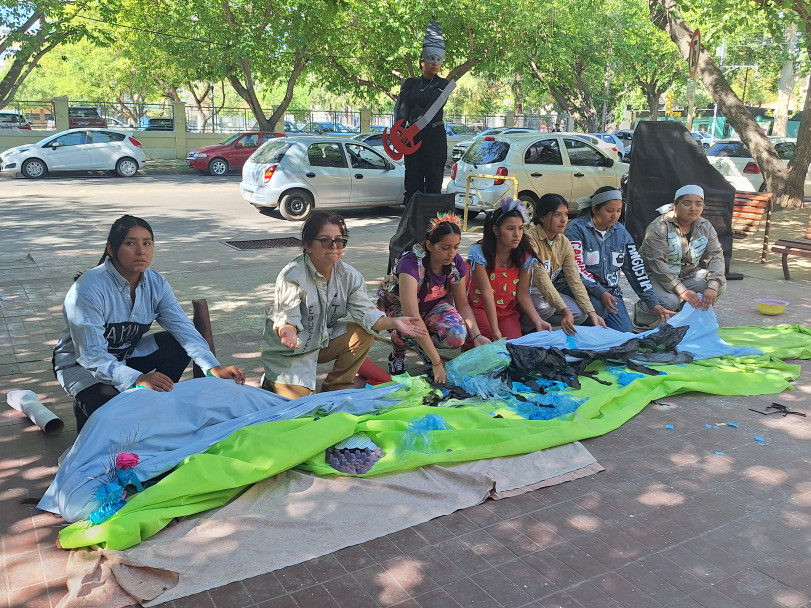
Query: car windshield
<point>486,151</point>
<point>231,139</point>
<point>272,152</point>
<point>83,112</point>
<point>729,149</point>
<point>14,119</point>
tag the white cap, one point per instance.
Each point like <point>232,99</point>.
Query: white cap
<point>689,189</point>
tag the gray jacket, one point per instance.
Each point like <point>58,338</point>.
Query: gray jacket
<point>318,310</point>
<point>670,257</point>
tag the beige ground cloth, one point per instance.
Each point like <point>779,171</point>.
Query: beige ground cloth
<point>294,517</point>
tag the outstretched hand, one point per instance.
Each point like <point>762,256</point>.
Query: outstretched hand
<point>410,326</point>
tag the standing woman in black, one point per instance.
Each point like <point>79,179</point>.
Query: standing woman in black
<point>424,169</point>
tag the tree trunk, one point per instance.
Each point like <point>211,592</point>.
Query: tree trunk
<point>786,186</point>
<point>788,78</point>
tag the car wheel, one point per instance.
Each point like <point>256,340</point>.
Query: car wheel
<point>296,205</point>
<point>33,168</point>
<point>126,167</point>
<point>529,203</point>
<point>218,166</point>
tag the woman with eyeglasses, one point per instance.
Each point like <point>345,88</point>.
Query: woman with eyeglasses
<point>602,248</point>
<point>305,326</point>
<point>501,273</point>
<point>683,255</point>
<point>429,283</point>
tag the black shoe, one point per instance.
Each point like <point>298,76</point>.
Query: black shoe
<point>423,355</point>
<point>397,365</point>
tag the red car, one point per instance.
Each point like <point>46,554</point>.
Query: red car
<point>230,154</point>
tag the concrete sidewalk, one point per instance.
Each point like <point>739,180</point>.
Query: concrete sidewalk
<point>670,523</point>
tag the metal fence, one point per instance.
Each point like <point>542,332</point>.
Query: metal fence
<point>135,115</point>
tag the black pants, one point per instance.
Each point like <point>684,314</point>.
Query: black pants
<point>170,359</point>
<point>425,168</point>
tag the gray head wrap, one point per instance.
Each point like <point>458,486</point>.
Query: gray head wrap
<point>603,197</point>
<point>434,44</point>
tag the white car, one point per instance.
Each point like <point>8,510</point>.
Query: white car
<point>732,159</point>
<point>610,149</point>
<point>543,163</point>
<point>298,174</point>
<point>77,150</point>
<point>460,148</point>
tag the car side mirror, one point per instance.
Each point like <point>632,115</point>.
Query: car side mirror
<point>609,162</point>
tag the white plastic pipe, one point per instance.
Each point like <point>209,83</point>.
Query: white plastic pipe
<point>29,404</point>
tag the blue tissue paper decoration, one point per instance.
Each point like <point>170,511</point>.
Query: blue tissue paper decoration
<point>417,438</point>
<point>487,359</point>
<point>109,493</point>
<point>624,377</point>
<point>485,387</point>
<point>105,512</point>
<point>110,497</point>
<point>127,477</point>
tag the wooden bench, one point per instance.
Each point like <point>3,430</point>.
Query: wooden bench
<point>798,247</point>
<point>747,212</point>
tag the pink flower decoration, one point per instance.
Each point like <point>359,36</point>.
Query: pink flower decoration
<point>126,460</point>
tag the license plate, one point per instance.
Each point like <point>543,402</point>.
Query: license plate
<point>473,200</point>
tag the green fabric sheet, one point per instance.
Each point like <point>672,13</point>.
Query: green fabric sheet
<point>211,479</point>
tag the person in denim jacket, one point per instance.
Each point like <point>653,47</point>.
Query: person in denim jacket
<point>603,248</point>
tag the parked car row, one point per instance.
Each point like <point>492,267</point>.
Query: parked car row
<point>296,174</point>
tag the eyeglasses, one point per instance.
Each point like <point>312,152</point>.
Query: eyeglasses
<point>328,243</point>
<point>692,205</point>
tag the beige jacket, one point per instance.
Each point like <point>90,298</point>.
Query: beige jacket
<point>556,256</point>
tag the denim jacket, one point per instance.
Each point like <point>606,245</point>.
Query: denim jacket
<point>104,327</point>
<point>600,259</point>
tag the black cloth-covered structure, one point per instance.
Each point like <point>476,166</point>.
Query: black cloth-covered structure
<point>665,157</point>
<point>414,222</point>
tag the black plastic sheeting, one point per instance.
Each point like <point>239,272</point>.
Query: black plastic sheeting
<point>411,229</point>
<point>665,157</point>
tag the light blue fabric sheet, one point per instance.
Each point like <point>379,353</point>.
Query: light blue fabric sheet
<point>164,428</point>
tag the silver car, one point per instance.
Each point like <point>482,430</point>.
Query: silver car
<point>543,163</point>
<point>299,174</point>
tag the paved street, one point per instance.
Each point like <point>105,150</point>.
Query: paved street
<point>669,523</point>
